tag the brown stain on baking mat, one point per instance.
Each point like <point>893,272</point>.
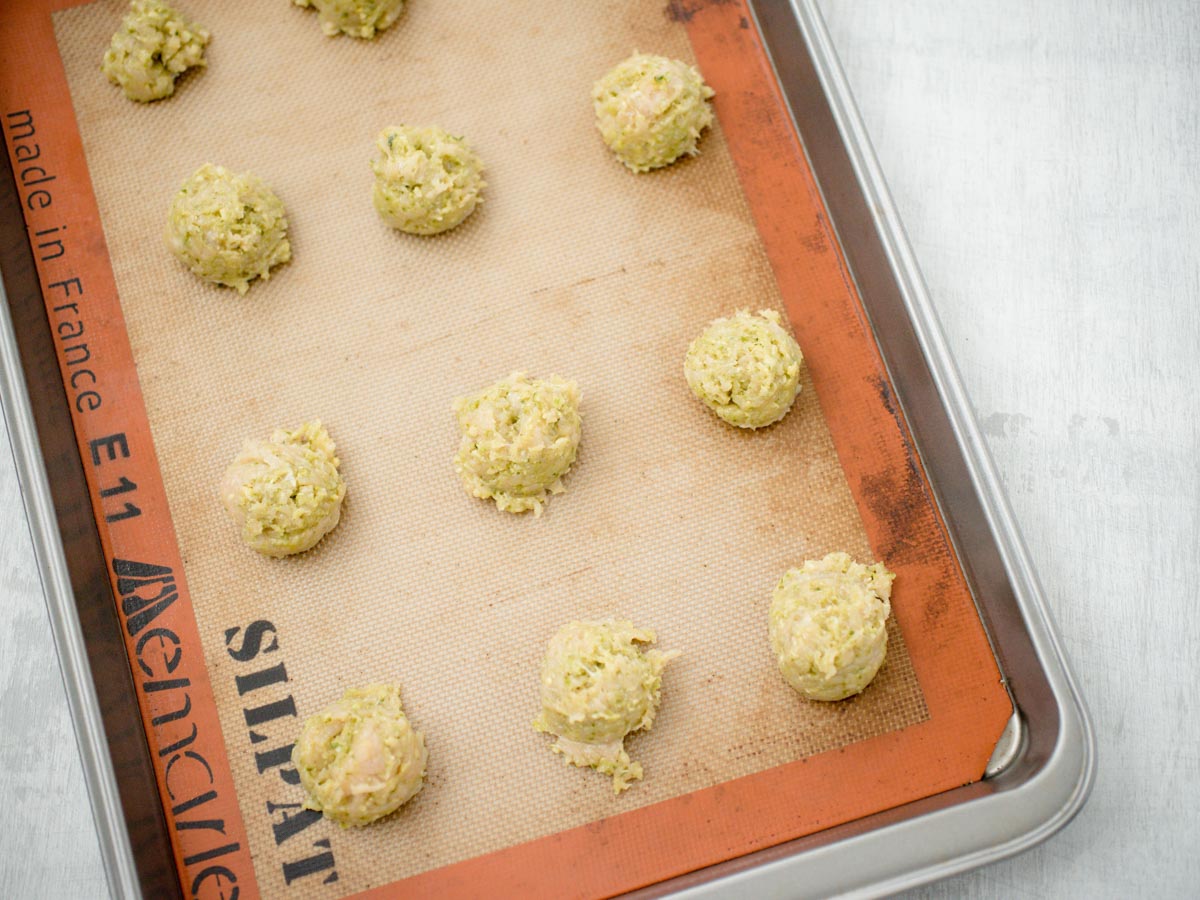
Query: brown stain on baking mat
<point>572,265</point>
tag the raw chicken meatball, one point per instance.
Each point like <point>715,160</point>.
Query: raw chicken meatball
<point>153,47</point>
<point>228,229</point>
<point>745,368</point>
<point>519,438</point>
<point>360,759</point>
<point>828,625</point>
<point>356,18</point>
<point>597,687</point>
<point>650,110</point>
<point>426,180</point>
<point>285,493</point>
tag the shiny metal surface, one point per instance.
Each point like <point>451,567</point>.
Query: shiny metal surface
<point>54,697</point>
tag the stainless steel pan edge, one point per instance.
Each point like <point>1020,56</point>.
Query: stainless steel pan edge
<point>98,774</point>
<point>1035,794</point>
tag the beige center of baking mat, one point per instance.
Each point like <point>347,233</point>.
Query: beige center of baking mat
<point>572,266</point>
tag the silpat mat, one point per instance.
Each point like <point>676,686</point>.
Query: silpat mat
<point>573,266</point>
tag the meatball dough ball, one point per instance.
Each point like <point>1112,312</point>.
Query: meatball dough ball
<point>426,180</point>
<point>285,493</point>
<point>228,228</point>
<point>356,18</point>
<point>650,110</point>
<point>360,759</point>
<point>597,687</point>
<point>745,368</point>
<point>828,625</point>
<point>153,47</point>
<point>519,438</point>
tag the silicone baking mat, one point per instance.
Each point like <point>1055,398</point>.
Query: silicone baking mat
<point>572,266</point>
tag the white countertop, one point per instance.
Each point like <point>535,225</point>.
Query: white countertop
<point>1045,158</point>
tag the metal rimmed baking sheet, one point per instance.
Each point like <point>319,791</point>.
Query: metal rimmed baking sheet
<point>702,25</point>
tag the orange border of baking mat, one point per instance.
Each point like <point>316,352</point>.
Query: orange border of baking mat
<point>931,600</point>
<point>129,502</point>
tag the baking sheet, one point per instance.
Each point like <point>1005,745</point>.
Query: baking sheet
<point>572,266</point>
